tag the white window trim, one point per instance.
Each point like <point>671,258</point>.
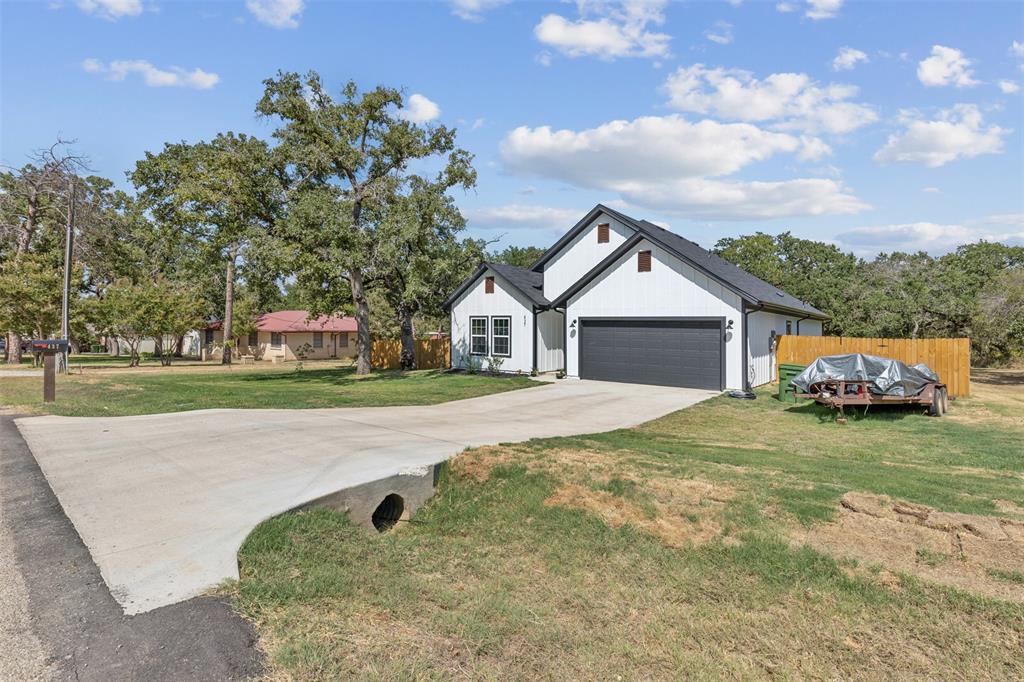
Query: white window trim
<point>486,337</point>
<point>509,336</point>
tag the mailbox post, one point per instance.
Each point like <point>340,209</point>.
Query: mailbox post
<point>49,348</point>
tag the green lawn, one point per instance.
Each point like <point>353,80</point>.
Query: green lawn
<point>97,360</point>
<point>150,391</point>
<point>707,544</point>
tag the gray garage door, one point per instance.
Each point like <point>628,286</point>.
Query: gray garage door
<point>679,352</point>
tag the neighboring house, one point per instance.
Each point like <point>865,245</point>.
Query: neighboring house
<point>281,334</point>
<point>620,299</point>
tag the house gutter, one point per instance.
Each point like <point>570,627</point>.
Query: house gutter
<point>746,346</point>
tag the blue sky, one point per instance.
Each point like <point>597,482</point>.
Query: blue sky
<point>875,125</point>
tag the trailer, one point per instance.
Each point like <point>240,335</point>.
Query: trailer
<point>857,379</point>
<point>840,393</point>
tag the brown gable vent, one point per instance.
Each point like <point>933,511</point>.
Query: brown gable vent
<point>643,261</point>
<point>602,233</point>
<point>489,285</point>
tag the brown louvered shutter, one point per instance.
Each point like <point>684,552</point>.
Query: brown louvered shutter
<point>489,285</point>
<point>602,233</point>
<point>643,261</point>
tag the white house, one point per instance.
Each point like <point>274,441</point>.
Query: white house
<point>620,299</point>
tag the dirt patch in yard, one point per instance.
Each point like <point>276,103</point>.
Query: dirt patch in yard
<point>684,512</point>
<point>966,551</point>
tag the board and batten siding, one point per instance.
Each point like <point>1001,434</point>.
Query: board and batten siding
<point>550,340</point>
<point>505,301</point>
<point>759,337</point>
<point>671,289</point>
<point>580,255</point>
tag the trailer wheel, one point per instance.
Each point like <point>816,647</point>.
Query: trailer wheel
<point>945,400</point>
<point>935,407</point>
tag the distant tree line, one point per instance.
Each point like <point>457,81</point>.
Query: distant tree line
<point>336,217</point>
<point>976,291</point>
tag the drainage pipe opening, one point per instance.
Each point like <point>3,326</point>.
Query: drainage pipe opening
<point>388,512</point>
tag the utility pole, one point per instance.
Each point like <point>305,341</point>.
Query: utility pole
<point>69,245</point>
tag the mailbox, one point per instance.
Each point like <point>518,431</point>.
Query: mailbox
<point>49,349</point>
<point>50,346</point>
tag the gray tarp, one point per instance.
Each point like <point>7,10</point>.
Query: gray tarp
<point>888,377</point>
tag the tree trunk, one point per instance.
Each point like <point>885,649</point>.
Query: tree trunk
<point>363,342</point>
<point>178,345</point>
<point>408,327</point>
<point>229,303</point>
<point>158,346</point>
<point>13,348</point>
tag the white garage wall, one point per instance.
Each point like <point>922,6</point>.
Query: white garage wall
<point>504,301</point>
<point>550,340</point>
<point>762,356</point>
<point>581,254</point>
<point>670,289</point>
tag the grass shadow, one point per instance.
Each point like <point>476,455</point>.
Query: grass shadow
<point>342,376</point>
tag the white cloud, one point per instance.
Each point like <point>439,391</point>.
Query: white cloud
<point>478,124</point>
<point>935,238</point>
<point>931,190</point>
<point>793,100</point>
<point>523,217</point>
<point>607,30</point>
<point>276,13</point>
<point>785,7</point>
<point>666,162</point>
<point>812,149</point>
<point>419,109</point>
<point>735,200</point>
<point>111,10</point>
<point>1017,49</point>
<point>173,76</point>
<point>848,58</point>
<point>946,66</point>
<point>957,133</point>
<point>720,32</point>
<point>822,9</point>
<point>473,10</point>
<point>544,58</point>
<point>1008,87</point>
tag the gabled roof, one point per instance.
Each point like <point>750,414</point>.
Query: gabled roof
<point>296,321</point>
<point>527,282</point>
<point>752,289</point>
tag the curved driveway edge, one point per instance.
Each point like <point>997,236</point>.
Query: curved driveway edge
<point>164,501</point>
<point>80,627</point>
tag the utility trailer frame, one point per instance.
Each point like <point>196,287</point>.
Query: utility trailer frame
<point>838,393</point>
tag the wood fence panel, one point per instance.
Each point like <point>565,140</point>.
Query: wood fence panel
<point>430,353</point>
<point>949,358</point>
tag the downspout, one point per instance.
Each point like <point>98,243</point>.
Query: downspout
<point>746,346</point>
<point>565,339</point>
<point>535,340</point>
<point>798,323</point>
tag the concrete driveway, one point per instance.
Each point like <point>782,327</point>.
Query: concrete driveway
<point>164,501</point>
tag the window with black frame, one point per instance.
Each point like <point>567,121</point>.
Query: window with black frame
<point>478,335</point>
<point>501,336</point>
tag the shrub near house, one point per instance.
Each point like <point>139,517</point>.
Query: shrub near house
<point>279,335</point>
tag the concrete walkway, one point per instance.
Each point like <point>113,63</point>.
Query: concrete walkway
<point>164,501</point>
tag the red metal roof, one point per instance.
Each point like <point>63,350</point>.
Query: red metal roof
<point>295,321</point>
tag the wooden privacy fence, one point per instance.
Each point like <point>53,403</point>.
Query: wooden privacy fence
<point>950,358</point>
<point>430,353</point>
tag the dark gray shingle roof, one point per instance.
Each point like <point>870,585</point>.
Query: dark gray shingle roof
<point>528,282</point>
<point>758,289</point>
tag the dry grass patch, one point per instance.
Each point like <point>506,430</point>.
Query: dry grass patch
<point>959,550</point>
